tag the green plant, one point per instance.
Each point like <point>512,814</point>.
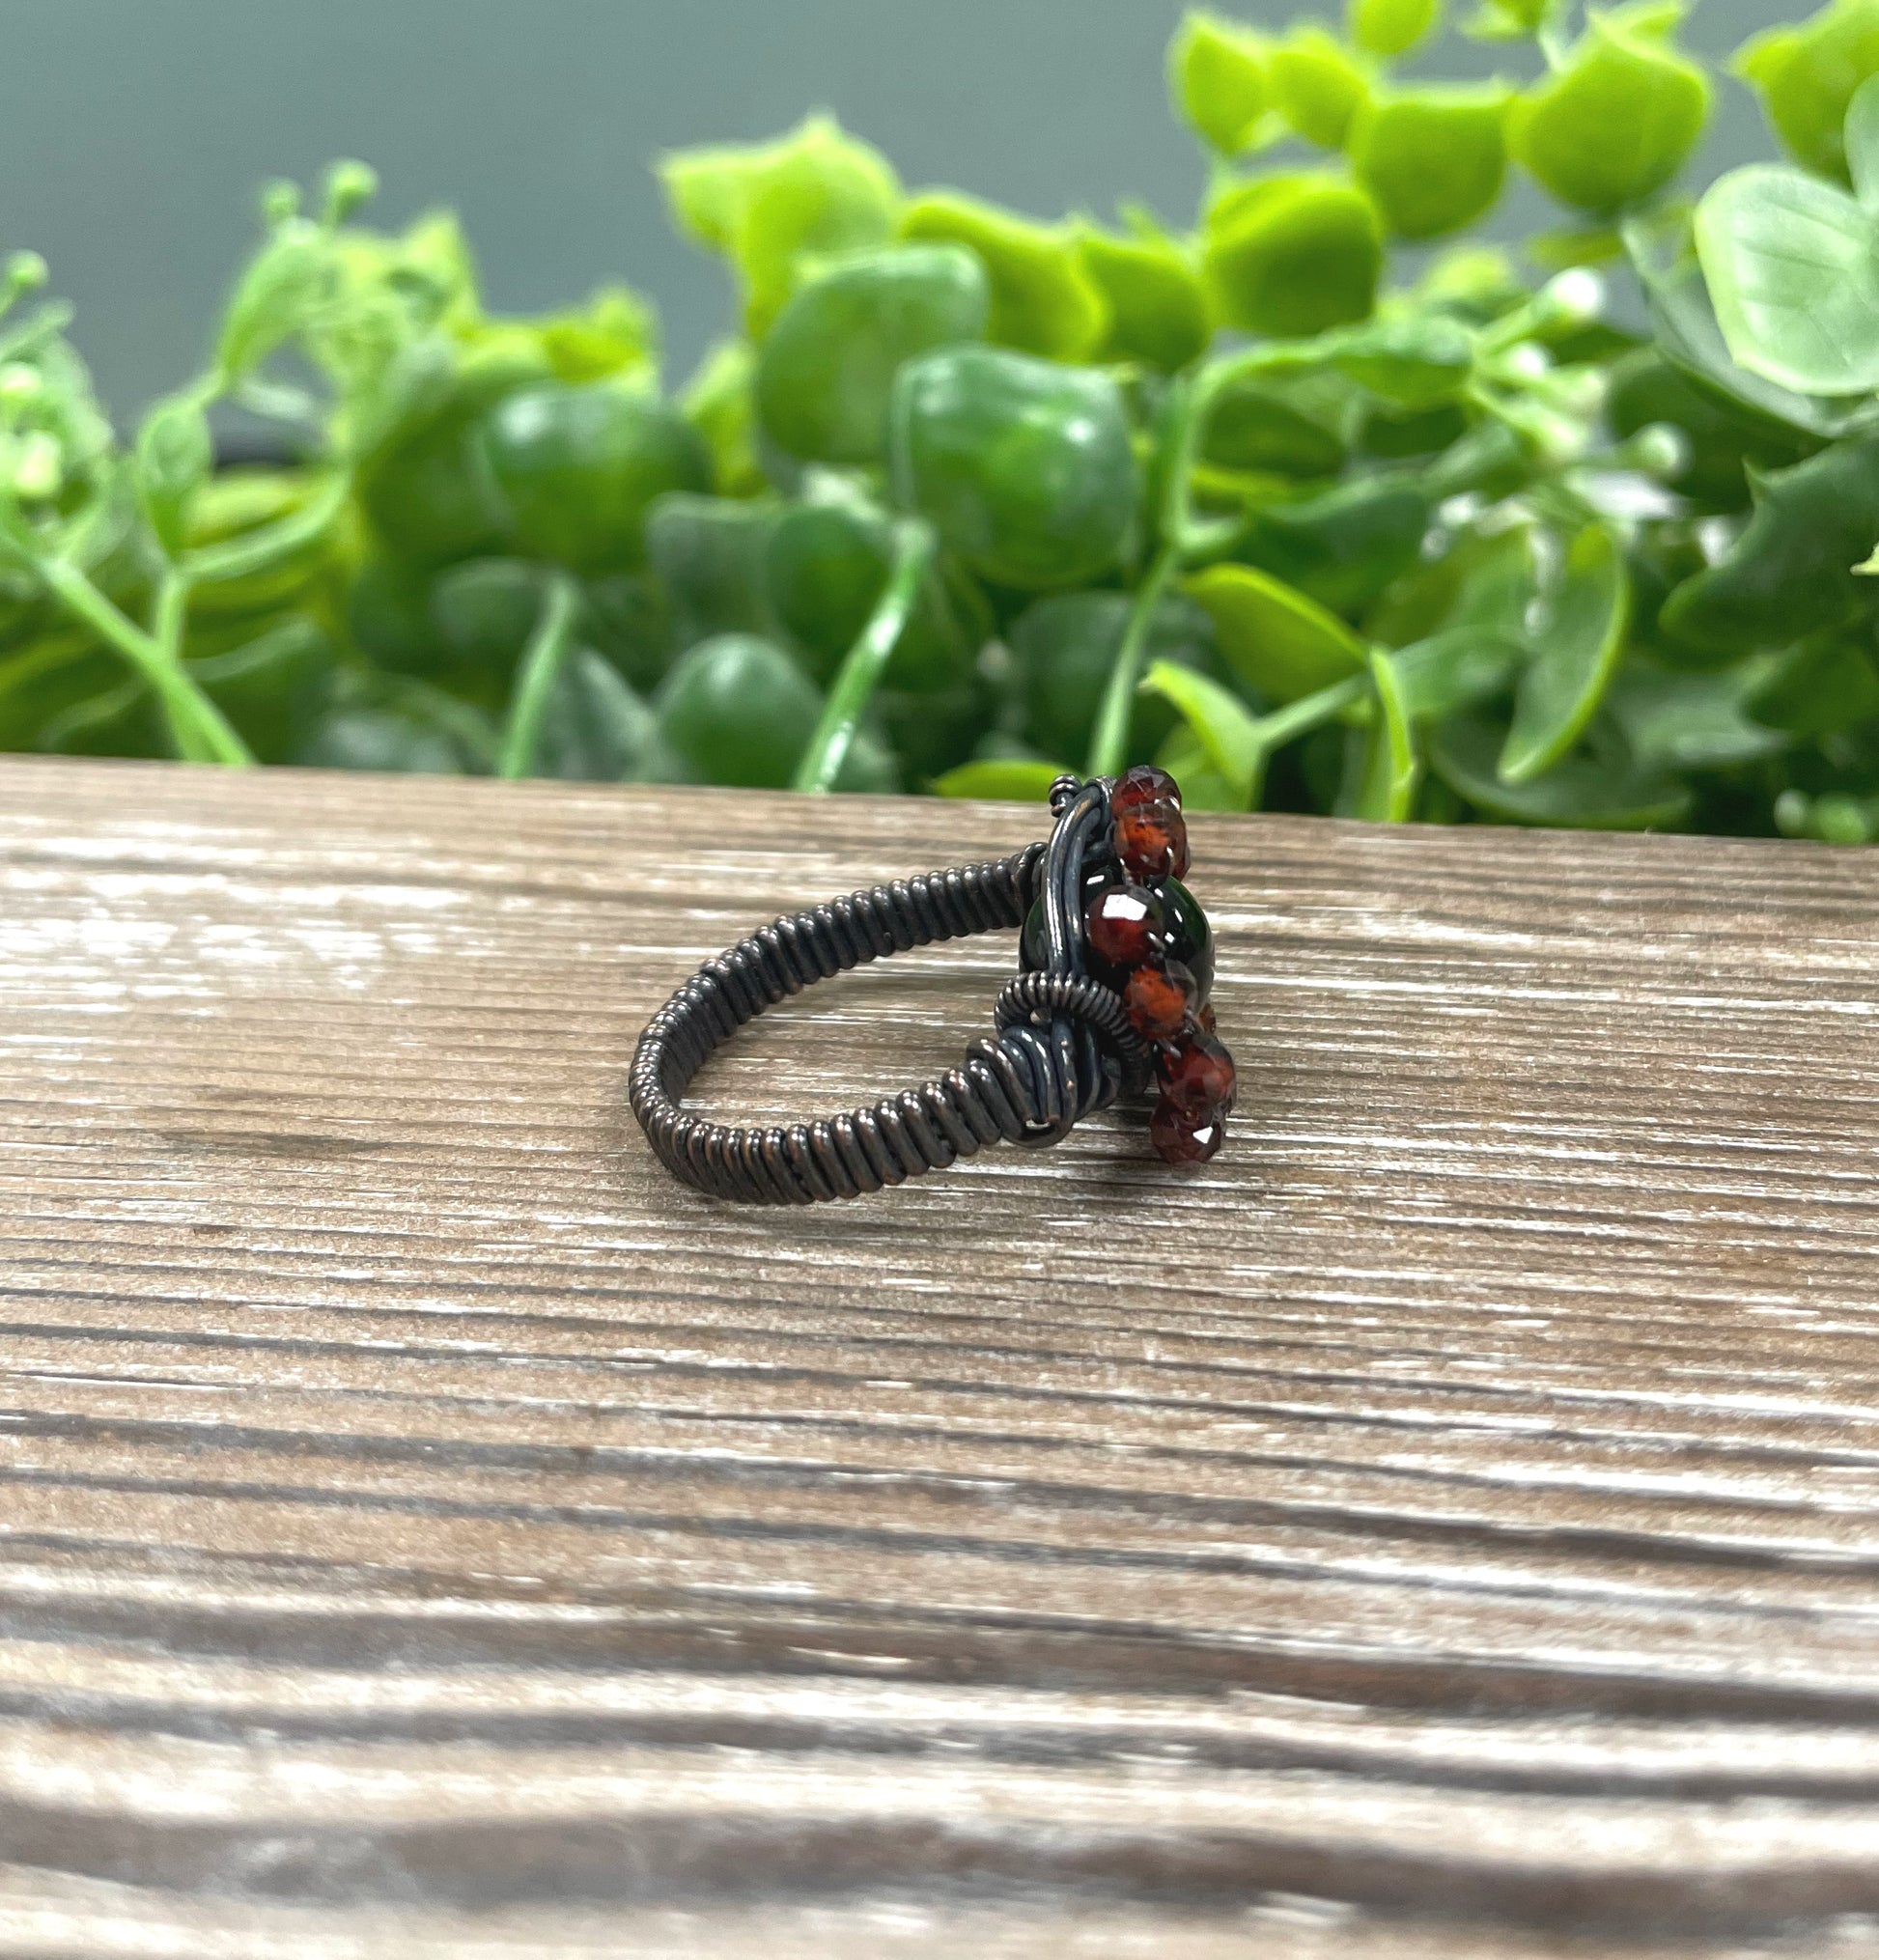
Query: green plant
<point>969,497</point>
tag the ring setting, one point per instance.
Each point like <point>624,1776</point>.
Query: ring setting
<point>1111,998</point>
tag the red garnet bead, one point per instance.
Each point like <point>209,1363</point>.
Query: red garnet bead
<point>1197,1073</point>
<point>1182,1137</point>
<point>1151,835</point>
<point>1160,999</point>
<point>1127,927</point>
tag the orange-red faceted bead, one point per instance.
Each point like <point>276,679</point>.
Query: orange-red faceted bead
<point>1158,1000</point>
<point>1125,926</point>
<point>1183,1137</point>
<point>1153,939</point>
<point>1151,834</point>
<point>1197,1073</point>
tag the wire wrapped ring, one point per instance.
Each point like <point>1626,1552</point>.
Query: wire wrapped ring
<point>1066,1044</point>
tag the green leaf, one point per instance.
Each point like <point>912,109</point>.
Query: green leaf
<point>735,709</point>
<point>1223,726</point>
<point>826,563</point>
<point>823,191</point>
<point>267,546</point>
<point>280,294</point>
<point>1821,685</point>
<point>1063,650</point>
<point>387,291</point>
<point>828,366</point>
<point>409,728</point>
<point>1790,572</point>
<point>1317,85</point>
<point>627,616</point>
<point>1157,306</point>
<point>614,332</point>
<point>1383,788</point>
<point>271,686</point>
<point>1391,27</point>
<point>1511,20</point>
<point>1615,121</point>
<point>1718,437</point>
<point>1694,721</point>
<point>709,554</point>
<point>1834,819</point>
<point>1862,139</point>
<point>768,206</point>
<point>1561,248</point>
<point>1433,160</point>
<point>174,456</point>
<point>1292,253</point>
<point>1344,546</point>
<point>118,721</point>
<point>1602,789</point>
<point>1458,668</point>
<point>1001,780</point>
<point>1275,639</point>
<point>1218,81</point>
<point>1411,360</point>
<point>720,401</point>
<point>594,728</point>
<point>47,684</point>
<point>706,186</point>
<point>483,612</point>
<point>1806,74</point>
<point>1488,583</point>
<point>414,389</point>
<point>1298,426</point>
<point>1793,271</point>
<point>1474,283</point>
<point>1576,651</point>
<point>1202,786</point>
<point>1043,300</point>
<point>1663,254</point>
<point>425,481</point>
<point>1025,468</point>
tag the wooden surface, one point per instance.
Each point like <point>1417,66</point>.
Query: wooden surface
<point>1447,1525</point>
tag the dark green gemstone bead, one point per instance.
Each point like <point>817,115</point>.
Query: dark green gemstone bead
<point>1030,942</point>
<point>1190,938</point>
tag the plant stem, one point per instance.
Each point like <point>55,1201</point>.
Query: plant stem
<point>1109,744</point>
<point>169,615</point>
<point>169,621</point>
<point>864,662</point>
<point>541,662</point>
<point>1184,535</point>
<point>1298,717</point>
<point>1272,732</point>
<point>1180,529</point>
<point>199,728</point>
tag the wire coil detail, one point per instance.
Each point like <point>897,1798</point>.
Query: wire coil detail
<point>1062,1047</point>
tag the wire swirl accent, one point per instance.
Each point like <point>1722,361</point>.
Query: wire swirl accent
<point>1063,1045</point>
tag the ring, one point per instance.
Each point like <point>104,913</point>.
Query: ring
<point>1116,963</point>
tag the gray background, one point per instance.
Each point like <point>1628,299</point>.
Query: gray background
<point>133,133</point>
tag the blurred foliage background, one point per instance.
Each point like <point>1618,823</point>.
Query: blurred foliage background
<point>1322,501</point>
<point>133,130</point>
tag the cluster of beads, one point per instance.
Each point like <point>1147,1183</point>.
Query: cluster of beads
<point>1150,941</point>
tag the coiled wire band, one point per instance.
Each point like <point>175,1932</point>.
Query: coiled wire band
<point>1063,1047</point>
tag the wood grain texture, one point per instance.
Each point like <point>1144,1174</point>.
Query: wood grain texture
<point>1444,1528</point>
